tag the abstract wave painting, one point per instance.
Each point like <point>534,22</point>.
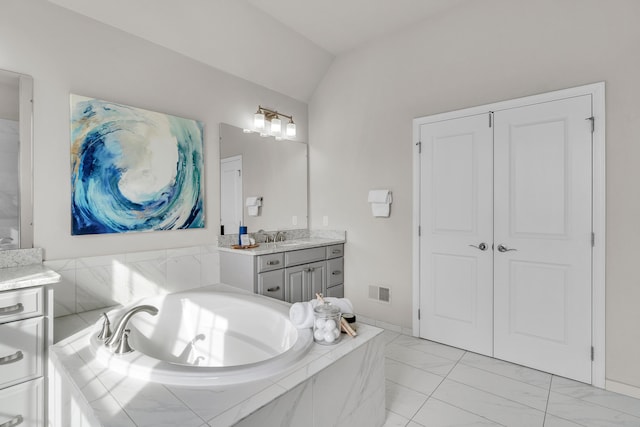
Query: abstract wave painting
<point>133,169</point>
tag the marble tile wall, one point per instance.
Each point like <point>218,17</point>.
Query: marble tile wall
<point>89,283</point>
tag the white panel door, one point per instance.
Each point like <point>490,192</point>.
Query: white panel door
<point>231,203</point>
<point>542,214</point>
<point>456,196</point>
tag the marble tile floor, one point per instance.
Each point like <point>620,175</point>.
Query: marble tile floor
<point>433,385</point>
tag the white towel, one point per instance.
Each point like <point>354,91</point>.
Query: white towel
<point>380,196</point>
<point>254,201</point>
<point>301,313</point>
<point>380,202</point>
<point>381,210</point>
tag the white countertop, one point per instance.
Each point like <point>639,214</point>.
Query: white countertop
<point>286,246</point>
<point>117,400</point>
<point>26,276</point>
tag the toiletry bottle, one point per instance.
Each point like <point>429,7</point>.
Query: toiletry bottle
<point>242,232</point>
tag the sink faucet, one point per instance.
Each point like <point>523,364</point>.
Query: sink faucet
<point>280,237</point>
<point>119,337</point>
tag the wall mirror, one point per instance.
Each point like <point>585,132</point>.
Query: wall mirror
<point>255,166</point>
<point>16,128</point>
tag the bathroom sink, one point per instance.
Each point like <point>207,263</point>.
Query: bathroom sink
<point>289,243</point>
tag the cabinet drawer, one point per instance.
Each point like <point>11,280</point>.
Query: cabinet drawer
<point>335,251</point>
<point>270,262</point>
<point>304,256</point>
<point>336,291</point>
<point>23,404</point>
<point>271,284</point>
<point>21,350</point>
<point>335,272</point>
<point>21,304</point>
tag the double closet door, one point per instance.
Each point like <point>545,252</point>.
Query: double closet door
<point>506,234</point>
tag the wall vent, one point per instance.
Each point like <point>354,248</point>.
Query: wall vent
<point>380,293</point>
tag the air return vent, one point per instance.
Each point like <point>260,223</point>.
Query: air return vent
<point>380,293</point>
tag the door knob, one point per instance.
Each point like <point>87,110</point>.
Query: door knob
<point>502,248</point>
<point>482,246</point>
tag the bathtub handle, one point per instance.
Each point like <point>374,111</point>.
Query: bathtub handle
<point>17,420</point>
<point>275,289</point>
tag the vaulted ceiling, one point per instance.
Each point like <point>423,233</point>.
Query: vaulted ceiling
<point>285,45</point>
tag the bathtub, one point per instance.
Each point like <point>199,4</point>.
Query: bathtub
<point>206,338</point>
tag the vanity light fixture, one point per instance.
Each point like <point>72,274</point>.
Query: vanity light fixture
<point>264,115</point>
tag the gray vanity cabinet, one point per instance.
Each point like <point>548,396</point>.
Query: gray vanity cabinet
<point>271,284</point>
<point>335,271</point>
<point>303,282</point>
<point>291,275</point>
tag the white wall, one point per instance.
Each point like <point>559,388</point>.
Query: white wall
<point>361,134</point>
<point>69,53</point>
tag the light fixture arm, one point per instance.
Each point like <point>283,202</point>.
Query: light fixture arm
<point>272,114</point>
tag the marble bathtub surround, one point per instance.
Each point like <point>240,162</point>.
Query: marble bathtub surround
<point>89,283</point>
<point>341,385</point>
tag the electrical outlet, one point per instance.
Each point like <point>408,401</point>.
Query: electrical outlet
<point>325,220</point>
<point>294,220</point>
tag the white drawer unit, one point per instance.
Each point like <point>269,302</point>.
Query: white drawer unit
<point>23,338</point>
<point>21,304</point>
<point>21,351</point>
<point>23,405</point>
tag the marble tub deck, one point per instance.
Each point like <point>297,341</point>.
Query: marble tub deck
<point>303,395</point>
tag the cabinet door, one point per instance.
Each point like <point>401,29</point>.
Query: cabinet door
<point>316,279</point>
<point>271,284</point>
<point>23,404</point>
<point>294,282</point>
<point>456,213</point>
<point>334,272</point>
<point>21,351</point>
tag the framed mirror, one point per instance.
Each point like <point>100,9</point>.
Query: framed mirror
<point>252,166</point>
<point>16,129</point>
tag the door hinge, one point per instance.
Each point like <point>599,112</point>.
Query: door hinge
<point>593,240</point>
<point>418,314</point>
<point>592,353</point>
<point>419,144</point>
<point>490,119</point>
<point>593,123</point>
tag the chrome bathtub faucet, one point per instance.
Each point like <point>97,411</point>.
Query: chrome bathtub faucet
<point>115,341</point>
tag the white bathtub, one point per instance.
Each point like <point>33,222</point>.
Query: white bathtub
<point>207,338</point>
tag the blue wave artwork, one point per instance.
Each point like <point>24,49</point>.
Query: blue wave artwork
<point>133,169</point>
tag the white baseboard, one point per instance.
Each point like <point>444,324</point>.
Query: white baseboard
<point>622,388</point>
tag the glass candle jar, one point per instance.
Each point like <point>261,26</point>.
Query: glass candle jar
<point>326,325</point>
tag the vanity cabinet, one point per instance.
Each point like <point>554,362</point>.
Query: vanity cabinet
<point>303,282</point>
<point>290,275</point>
<point>22,356</point>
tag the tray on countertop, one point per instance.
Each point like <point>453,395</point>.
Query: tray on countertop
<point>245,246</point>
